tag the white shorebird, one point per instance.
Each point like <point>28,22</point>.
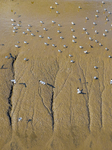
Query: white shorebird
<point>79,7</point>
<point>106,31</point>
<point>23,32</point>
<point>103,2</point>
<point>80,47</point>
<point>95,67</point>
<point>70,55</point>
<point>41,22</point>
<point>96,31</point>
<point>72,61</point>
<point>58,31</point>
<point>96,41</point>
<point>100,44</point>
<point>12,20</point>
<point>72,23</point>
<point>105,9</point>
<point>29,25</point>
<point>48,38</point>
<point>53,45</point>
<point>18,25</point>
<point>106,48</point>
<point>73,41</point>
<point>57,12</point>
<point>45,43</point>
<point>32,34</point>
<point>85,52</point>
<point>44,29</point>
<point>59,25</point>
<point>104,34</point>
<point>53,22</point>
<point>61,37</point>
<point>90,38</point>
<point>14,31</point>
<point>51,7</point>
<point>56,3</point>
<point>111,81</point>
<point>87,33</point>
<point>17,46</point>
<point>25,42</point>
<point>110,56</point>
<point>15,28</point>
<point>13,81</point>
<point>84,29</point>
<point>94,23</point>
<point>28,30</point>
<point>95,77</point>
<point>74,37</point>
<point>96,16</point>
<point>40,36</point>
<point>79,91</point>
<point>20,118</point>
<point>97,11</point>
<point>72,30</point>
<point>59,51</point>
<point>64,46</point>
<point>87,18</point>
<point>42,82</point>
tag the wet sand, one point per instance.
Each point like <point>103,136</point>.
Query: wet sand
<point>54,116</point>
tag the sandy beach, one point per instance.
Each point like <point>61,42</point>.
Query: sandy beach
<point>50,50</point>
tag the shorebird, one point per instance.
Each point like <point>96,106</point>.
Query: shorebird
<point>79,91</point>
<point>32,34</point>
<point>56,3</point>
<point>13,81</point>
<point>110,56</point>
<point>41,22</point>
<point>42,82</point>
<point>73,41</point>
<point>17,46</point>
<point>25,42</point>
<point>95,67</point>
<point>84,29</point>
<point>70,55</point>
<point>51,7</point>
<point>80,47</point>
<point>72,23</point>
<point>74,37</point>
<point>104,34</point>
<point>57,12</point>
<point>106,48</point>
<point>95,77</point>
<point>53,22</point>
<point>86,52</point>
<point>23,32</point>
<point>59,51</point>
<point>111,81</point>
<point>29,25</point>
<point>48,38</point>
<point>28,30</point>
<point>20,118</point>
<point>90,38</point>
<point>72,61</point>
<point>106,31</point>
<point>40,36</point>
<point>12,20</point>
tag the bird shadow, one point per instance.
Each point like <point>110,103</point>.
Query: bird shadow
<point>23,84</point>
<point>50,85</point>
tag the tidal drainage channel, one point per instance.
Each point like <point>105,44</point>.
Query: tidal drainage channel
<point>11,88</point>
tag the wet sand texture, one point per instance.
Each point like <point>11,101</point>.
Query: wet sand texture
<point>42,110</point>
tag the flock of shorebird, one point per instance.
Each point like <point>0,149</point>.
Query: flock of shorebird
<point>15,28</point>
